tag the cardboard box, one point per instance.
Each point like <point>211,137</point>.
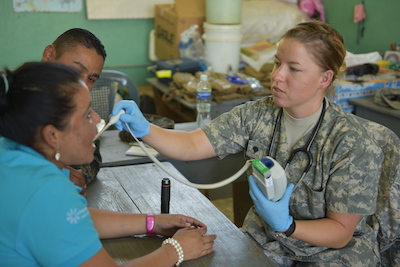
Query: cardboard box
<point>171,20</point>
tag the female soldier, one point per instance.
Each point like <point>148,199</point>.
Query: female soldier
<point>46,124</point>
<point>335,172</point>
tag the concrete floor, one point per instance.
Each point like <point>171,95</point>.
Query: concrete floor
<point>225,205</point>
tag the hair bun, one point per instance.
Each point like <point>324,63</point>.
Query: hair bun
<point>342,68</point>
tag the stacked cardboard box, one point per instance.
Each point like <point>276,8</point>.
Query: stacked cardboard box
<point>171,20</point>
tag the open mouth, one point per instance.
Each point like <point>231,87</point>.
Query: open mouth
<point>278,90</point>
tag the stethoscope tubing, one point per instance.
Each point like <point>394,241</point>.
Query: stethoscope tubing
<point>306,149</point>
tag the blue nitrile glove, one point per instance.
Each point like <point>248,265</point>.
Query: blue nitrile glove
<point>275,213</point>
<point>133,116</point>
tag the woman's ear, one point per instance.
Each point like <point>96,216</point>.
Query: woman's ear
<point>326,80</point>
<point>51,136</point>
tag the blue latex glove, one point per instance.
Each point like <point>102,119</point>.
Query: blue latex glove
<point>276,214</point>
<point>133,116</point>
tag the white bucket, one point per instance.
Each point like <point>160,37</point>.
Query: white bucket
<point>224,11</point>
<point>222,44</point>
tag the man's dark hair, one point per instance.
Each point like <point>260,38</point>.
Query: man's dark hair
<point>76,36</point>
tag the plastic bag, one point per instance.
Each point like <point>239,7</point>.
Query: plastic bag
<point>191,45</point>
<point>358,59</point>
<point>268,20</point>
<point>313,8</point>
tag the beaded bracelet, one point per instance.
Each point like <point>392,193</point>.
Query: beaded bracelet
<point>177,247</point>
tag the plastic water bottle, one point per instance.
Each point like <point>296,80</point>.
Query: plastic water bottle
<point>203,98</point>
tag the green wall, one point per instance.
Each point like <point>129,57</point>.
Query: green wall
<point>23,36</point>
<point>381,23</point>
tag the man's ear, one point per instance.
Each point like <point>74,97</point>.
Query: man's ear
<point>49,53</point>
<point>326,80</point>
<point>51,136</point>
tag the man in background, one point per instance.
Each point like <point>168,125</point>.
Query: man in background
<point>82,50</point>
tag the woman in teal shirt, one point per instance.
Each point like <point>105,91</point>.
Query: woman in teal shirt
<point>46,124</point>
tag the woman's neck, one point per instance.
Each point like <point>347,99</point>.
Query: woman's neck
<point>49,153</point>
<point>305,109</point>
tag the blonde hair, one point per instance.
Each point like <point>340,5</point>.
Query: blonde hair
<point>324,43</point>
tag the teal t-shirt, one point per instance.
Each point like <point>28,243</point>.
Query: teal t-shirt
<point>44,220</point>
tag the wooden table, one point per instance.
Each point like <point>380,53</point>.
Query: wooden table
<point>138,189</point>
<point>368,109</point>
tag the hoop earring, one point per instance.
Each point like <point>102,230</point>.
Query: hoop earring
<point>5,80</point>
<point>57,155</point>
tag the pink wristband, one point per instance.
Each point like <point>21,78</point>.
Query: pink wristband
<point>150,224</point>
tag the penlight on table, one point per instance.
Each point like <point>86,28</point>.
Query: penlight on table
<point>165,195</point>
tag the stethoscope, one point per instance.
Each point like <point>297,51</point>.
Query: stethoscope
<point>305,149</point>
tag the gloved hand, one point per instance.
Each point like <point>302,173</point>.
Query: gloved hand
<point>276,214</point>
<point>133,116</point>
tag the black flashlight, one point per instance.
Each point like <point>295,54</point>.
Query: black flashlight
<point>165,195</point>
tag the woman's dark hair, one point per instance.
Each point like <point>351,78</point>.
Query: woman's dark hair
<point>34,95</point>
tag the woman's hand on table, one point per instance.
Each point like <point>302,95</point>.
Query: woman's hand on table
<point>168,224</point>
<point>189,232</point>
<point>194,242</point>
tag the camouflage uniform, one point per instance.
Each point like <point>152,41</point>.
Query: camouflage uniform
<point>342,179</point>
<point>386,220</point>
<point>90,170</point>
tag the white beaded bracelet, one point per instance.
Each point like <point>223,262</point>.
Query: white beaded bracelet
<point>177,247</point>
